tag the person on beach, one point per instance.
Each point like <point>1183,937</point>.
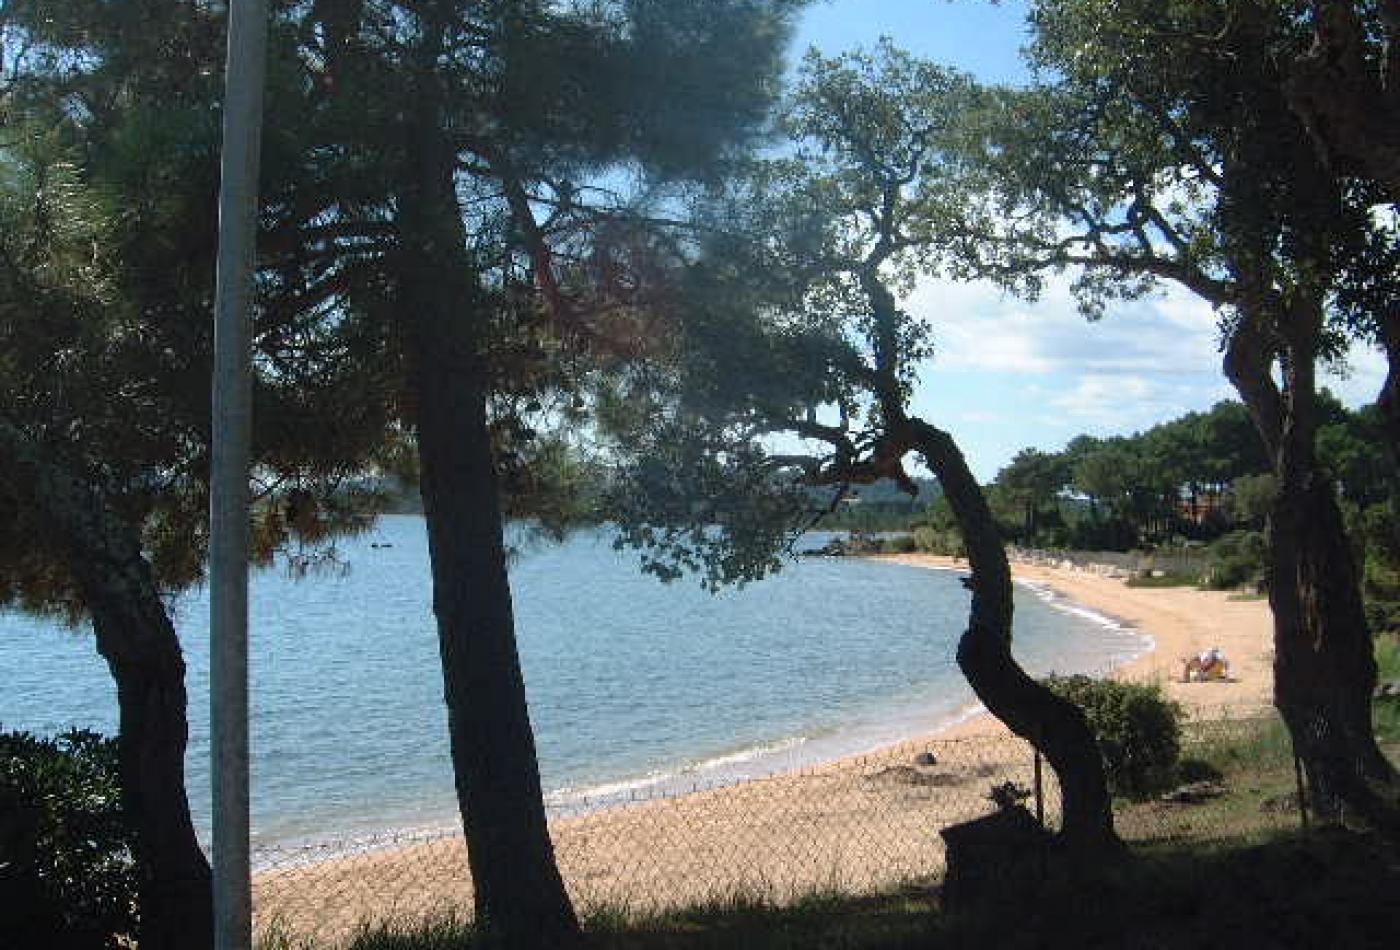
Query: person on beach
<point>1209,665</point>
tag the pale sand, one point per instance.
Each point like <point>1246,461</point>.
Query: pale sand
<point>857,823</point>
<point>1182,622</point>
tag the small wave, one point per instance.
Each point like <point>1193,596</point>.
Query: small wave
<point>295,852</point>
<point>612,792</point>
<point>1143,642</point>
<point>748,755</point>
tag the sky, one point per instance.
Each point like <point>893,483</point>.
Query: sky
<point>1007,374</point>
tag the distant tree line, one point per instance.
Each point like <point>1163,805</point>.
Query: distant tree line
<point>1201,479</point>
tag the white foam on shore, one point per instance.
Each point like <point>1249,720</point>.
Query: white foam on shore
<point>1141,642</point>
<point>589,796</point>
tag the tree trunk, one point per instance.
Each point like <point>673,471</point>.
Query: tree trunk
<point>518,889</point>
<point>135,636</point>
<point>1053,725</point>
<point>1388,400</point>
<point>1324,663</point>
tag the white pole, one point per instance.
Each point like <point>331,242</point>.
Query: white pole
<point>229,470</point>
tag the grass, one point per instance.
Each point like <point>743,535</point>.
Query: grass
<point>1329,888</point>
<point>1320,890</point>
<point>819,920</point>
<point>1387,711</point>
<point>1388,656</point>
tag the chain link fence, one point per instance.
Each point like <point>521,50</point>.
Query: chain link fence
<point>857,826</point>
<point>1188,562</point>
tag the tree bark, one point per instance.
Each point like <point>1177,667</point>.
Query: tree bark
<point>137,639</point>
<point>1053,725</point>
<point>518,890</point>
<point>1388,400</point>
<point>1324,663</point>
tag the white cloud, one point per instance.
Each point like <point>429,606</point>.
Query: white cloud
<point>978,327</point>
<point>1362,376</point>
<point>1112,403</point>
<point>1171,337</point>
<point>1008,374</point>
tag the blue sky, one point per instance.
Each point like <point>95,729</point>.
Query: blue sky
<point>1008,374</point>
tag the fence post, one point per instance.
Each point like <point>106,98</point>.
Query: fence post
<point>1302,795</point>
<point>1039,792</point>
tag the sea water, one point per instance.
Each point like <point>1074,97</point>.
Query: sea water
<point>633,685</point>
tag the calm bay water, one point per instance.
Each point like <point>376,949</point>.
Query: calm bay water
<point>632,684</point>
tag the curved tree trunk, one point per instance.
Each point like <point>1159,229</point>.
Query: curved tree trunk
<point>1053,725</point>
<point>1388,400</point>
<point>518,889</point>
<point>1324,665</point>
<point>1324,662</point>
<point>136,638</point>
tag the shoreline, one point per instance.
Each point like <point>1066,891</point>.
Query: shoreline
<point>797,754</point>
<point>1177,622</point>
<point>1170,623</point>
<point>727,770</point>
<point>866,820</point>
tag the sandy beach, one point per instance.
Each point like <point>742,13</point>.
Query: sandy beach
<point>858,823</point>
<point>1182,621</point>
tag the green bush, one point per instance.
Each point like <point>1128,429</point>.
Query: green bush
<point>899,544</point>
<point>1387,709</point>
<point>66,871</point>
<point>945,541</point>
<point>1238,559</point>
<point>1138,730</point>
<point>1165,579</point>
<point>1383,616</point>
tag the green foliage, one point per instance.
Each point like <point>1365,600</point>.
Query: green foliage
<point>1388,655</point>
<point>939,541</point>
<point>1138,730</point>
<point>777,330</point>
<point>1150,579</point>
<point>1238,559</point>
<point>899,544</point>
<point>66,873</point>
<point>106,269</point>
<point>1251,498</point>
<point>1030,482</point>
<point>1195,476</point>
<point>690,501</point>
<point>1386,709</point>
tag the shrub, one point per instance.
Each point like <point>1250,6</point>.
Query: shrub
<point>1236,560</point>
<point>1164,579</point>
<point>65,857</point>
<point>944,541</point>
<point>1387,708</point>
<point>1383,616</point>
<point>899,544</point>
<point>1138,730</point>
